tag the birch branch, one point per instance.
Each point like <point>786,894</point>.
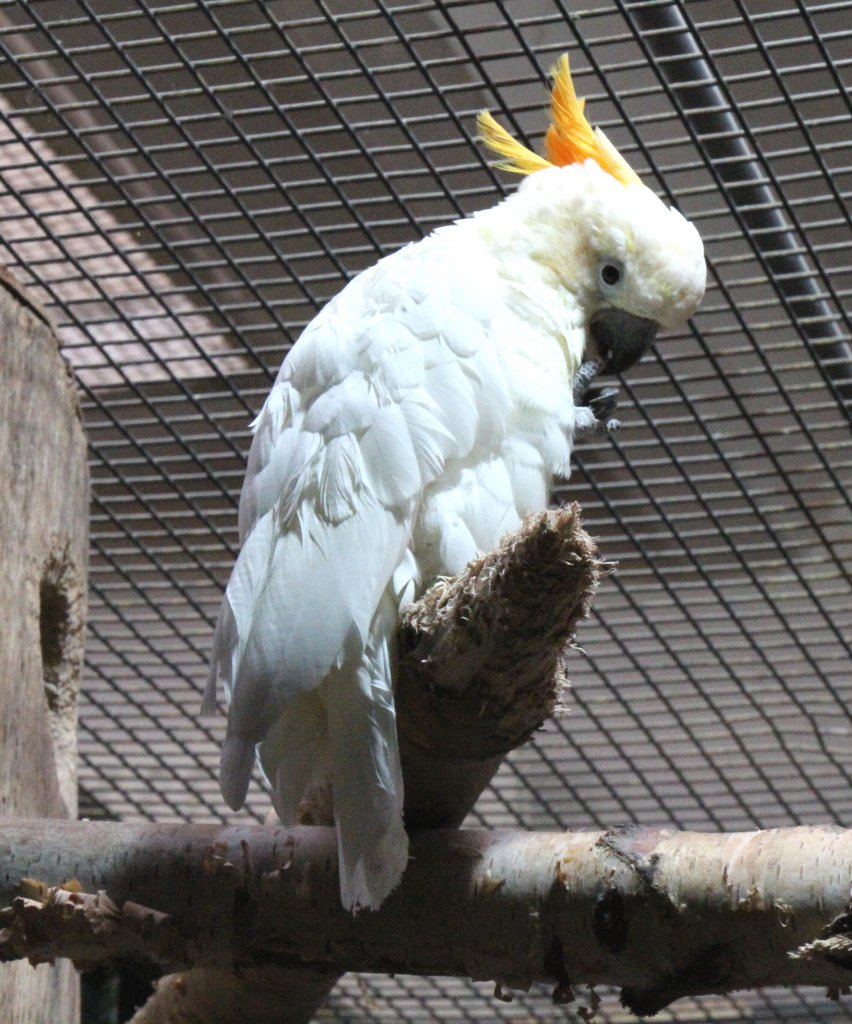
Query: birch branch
<point>659,914</point>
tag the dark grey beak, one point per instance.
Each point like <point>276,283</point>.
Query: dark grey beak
<point>622,338</point>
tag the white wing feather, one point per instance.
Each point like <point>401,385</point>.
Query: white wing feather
<point>360,421</point>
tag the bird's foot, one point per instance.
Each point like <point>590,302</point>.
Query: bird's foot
<point>603,402</point>
<point>594,407</point>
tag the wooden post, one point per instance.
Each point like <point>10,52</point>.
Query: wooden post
<point>44,497</point>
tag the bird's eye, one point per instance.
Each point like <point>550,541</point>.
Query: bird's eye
<point>609,275</point>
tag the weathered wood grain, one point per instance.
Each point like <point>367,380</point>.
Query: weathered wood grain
<point>43,549</point>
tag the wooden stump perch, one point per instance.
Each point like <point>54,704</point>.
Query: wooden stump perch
<point>481,661</point>
<point>482,652</point>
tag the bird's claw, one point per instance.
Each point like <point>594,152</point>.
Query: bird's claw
<point>603,402</point>
<point>594,406</point>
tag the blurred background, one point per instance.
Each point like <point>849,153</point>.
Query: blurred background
<point>184,184</point>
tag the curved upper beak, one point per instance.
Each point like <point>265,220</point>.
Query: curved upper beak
<point>622,338</point>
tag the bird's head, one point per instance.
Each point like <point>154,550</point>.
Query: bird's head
<point>633,263</point>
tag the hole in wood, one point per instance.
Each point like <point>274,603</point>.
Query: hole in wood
<point>53,631</point>
<point>61,627</point>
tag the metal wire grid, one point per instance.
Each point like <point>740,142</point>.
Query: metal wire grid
<point>185,184</point>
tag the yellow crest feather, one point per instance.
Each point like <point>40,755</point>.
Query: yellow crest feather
<point>515,155</point>
<point>570,138</point>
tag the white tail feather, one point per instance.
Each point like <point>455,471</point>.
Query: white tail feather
<point>367,778</point>
<point>235,770</point>
<point>208,701</point>
<point>294,754</point>
<point>220,659</point>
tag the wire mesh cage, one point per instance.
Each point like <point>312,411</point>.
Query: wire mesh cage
<point>184,184</point>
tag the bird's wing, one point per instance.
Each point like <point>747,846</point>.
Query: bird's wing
<point>383,388</point>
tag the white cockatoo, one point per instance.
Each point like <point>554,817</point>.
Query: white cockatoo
<point>419,417</point>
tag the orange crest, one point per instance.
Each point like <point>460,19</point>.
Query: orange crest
<point>570,138</point>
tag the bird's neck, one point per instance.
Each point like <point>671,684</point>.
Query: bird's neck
<point>527,243</point>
